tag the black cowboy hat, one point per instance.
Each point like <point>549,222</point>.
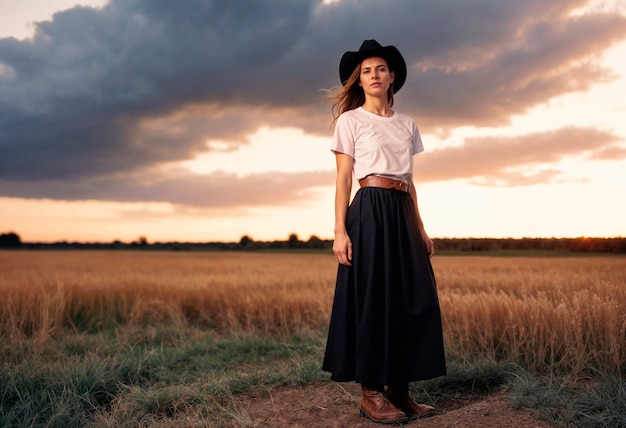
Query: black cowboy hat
<point>371,48</point>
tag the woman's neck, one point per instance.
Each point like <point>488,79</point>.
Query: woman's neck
<point>378,107</point>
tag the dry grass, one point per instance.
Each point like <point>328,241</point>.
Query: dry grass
<point>241,292</point>
<point>566,314</point>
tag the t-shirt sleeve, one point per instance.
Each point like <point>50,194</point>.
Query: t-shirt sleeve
<point>343,137</point>
<point>418,147</point>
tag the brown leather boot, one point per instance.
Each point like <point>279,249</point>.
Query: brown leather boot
<point>376,406</point>
<point>400,397</point>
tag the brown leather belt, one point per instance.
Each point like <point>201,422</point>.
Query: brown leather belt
<point>384,182</point>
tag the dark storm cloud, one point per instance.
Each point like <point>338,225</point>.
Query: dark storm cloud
<point>100,94</point>
<point>550,59</point>
<point>80,90</point>
<point>215,190</point>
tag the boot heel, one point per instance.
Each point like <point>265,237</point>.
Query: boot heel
<point>364,414</point>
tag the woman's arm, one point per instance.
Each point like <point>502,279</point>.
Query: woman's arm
<point>430,249</point>
<point>342,247</point>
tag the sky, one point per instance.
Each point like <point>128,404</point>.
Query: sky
<point>205,120</point>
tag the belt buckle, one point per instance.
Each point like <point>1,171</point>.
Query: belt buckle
<point>400,185</point>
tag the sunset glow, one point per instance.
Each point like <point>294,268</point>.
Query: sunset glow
<point>113,126</point>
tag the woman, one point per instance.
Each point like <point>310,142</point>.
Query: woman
<point>385,327</point>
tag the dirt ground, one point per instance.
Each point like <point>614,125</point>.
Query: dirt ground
<point>336,405</point>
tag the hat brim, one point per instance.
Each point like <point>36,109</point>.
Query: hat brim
<point>350,60</point>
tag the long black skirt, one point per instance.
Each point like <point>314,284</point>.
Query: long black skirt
<point>385,325</point>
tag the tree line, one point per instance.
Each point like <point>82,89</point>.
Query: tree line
<point>616,245</point>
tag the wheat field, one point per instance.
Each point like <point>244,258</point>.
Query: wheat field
<point>563,314</point>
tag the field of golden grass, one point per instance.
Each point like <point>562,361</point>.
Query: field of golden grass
<point>549,314</point>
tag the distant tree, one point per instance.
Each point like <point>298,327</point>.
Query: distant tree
<point>293,241</point>
<point>315,242</point>
<point>10,240</point>
<point>142,241</point>
<point>245,241</point>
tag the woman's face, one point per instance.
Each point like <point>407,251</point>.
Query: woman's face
<point>375,76</point>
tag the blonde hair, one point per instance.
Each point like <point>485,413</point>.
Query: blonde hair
<point>351,95</point>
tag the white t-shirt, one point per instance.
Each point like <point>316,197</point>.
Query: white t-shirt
<point>378,145</point>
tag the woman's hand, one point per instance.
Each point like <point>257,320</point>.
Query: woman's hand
<point>342,247</point>
<point>428,243</point>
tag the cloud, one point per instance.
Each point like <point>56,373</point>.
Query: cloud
<point>610,153</point>
<point>547,59</point>
<point>215,190</point>
<point>100,99</point>
<point>82,89</point>
<point>513,161</point>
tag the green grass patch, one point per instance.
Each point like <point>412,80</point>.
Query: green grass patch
<point>185,376</point>
<point>572,402</point>
<point>155,374</point>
